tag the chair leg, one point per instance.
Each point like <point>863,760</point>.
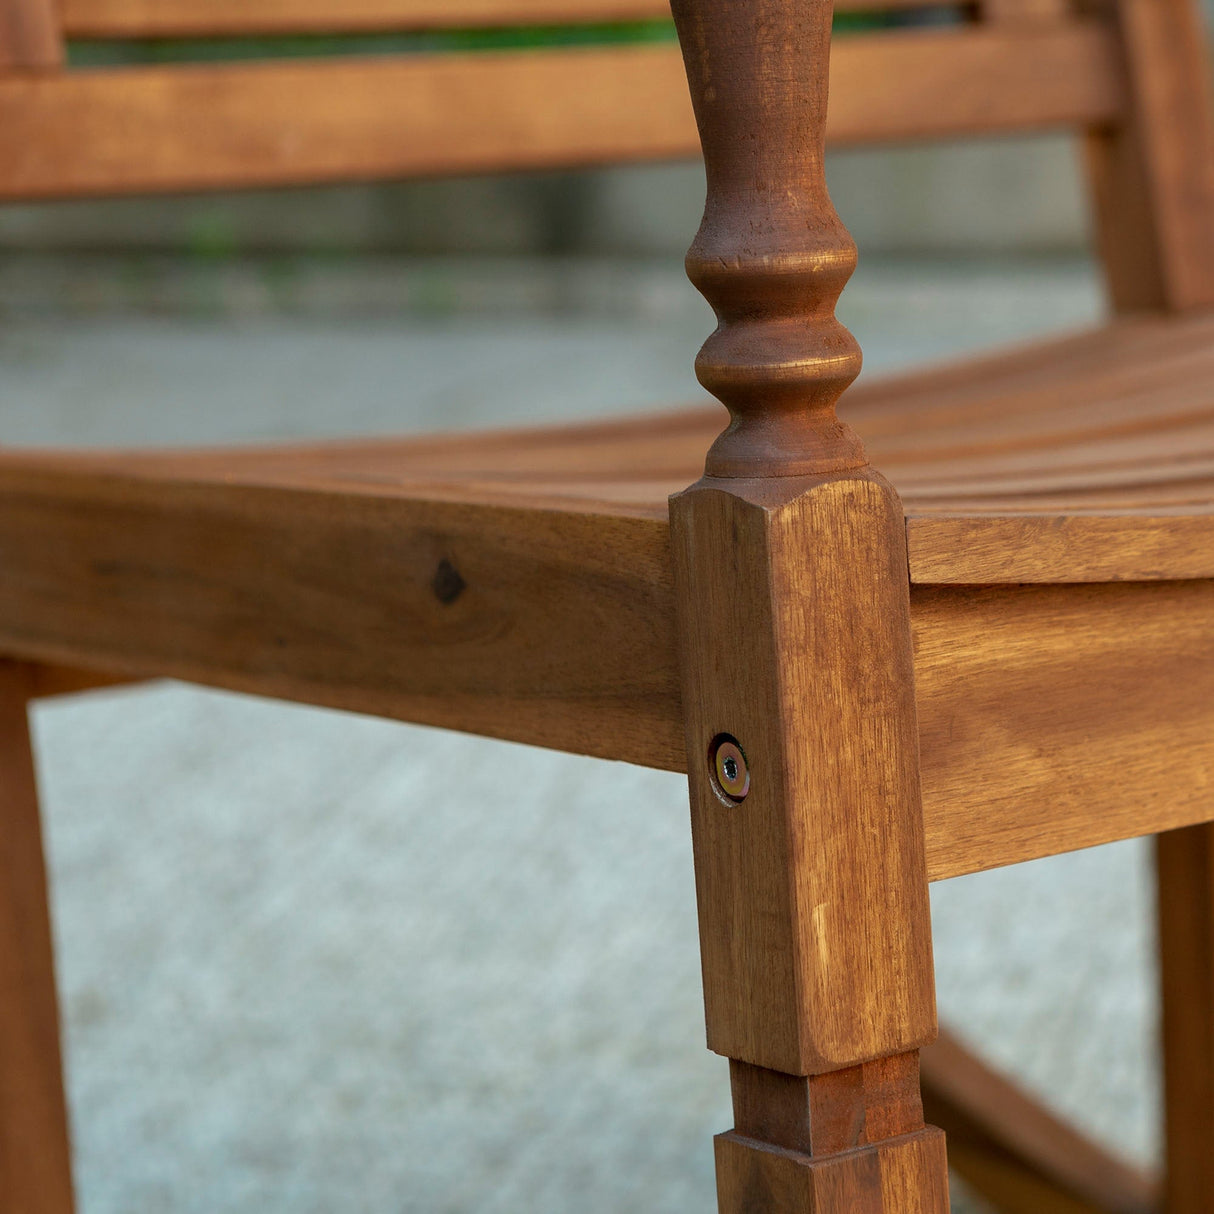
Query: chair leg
<point>35,1164</point>
<point>1184,866</point>
<point>808,839</point>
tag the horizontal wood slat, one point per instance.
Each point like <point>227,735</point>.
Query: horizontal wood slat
<point>286,122</point>
<point>1051,717</point>
<point>222,18</point>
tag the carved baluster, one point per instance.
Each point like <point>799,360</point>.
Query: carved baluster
<point>798,685</point>
<point>771,256</point>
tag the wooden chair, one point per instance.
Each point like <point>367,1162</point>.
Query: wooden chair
<point>1012,656</point>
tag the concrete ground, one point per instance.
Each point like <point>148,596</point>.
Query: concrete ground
<point>318,963</point>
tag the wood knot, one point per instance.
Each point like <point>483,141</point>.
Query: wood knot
<point>447,583</point>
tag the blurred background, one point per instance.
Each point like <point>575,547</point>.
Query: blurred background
<point>313,962</point>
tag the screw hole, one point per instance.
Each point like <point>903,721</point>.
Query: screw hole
<point>728,769</point>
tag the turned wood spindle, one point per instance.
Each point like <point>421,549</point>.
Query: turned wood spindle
<point>771,256</point>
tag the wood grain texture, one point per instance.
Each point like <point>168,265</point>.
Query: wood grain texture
<point>201,127</point>
<point>35,1160</point>
<point>1051,717</point>
<point>827,1114</point>
<point>1153,174</point>
<point>1184,868</point>
<point>516,624</point>
<point>1014,1152</point>
<point>1056,717</point>
<point>30,39</point>
<point>905,1175</point>
<point>1085,459</point>
<point>220,18</point>
<point>786,599</point>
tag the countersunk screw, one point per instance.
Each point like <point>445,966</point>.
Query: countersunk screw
<point>730,771</point>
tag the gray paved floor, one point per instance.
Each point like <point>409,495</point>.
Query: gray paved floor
<point>314,962</point>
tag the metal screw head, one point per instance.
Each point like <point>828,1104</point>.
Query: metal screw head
<point>730,771</point>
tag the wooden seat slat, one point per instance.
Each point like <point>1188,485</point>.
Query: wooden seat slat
<point>324,591</point>
<point>286,122</point>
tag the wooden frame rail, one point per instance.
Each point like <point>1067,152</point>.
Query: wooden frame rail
<point>287,122</point>
<point>227,18</point>
<point>1051,717</point>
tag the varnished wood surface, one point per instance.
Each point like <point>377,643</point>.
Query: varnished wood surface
<point>771,255</point>
<point>30,39</point>
<point>1051,717</point>
<point>1085,459</point>
<point>536,627</point>
<point>217,18</point>
<point>1056,717</point>
<point>35,1161</point>
<point>198,127</point>
<point>1153,174</point>
<point>827,848</point>
<point>1184,870</point>
<point>906,1175</point>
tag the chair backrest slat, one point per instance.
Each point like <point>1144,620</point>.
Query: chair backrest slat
<point>227,18</point>
<point>290,121</point>
<point>222,18</point>
<point>1129,74</point>
<point>1153,174</point>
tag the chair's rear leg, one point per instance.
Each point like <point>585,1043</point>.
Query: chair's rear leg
<point>35,1164</point>
<point>1184,865</point>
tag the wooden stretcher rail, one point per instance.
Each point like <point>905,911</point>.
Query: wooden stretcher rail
<point>1051,717</point>
<point>224,18</point>
<point>285,122</point>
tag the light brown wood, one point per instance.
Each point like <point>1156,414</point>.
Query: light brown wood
<point>479,585</point>
<point>228,18</point>
<point>30,39</point>
<point>35,1162</point>
<point>1051,717</point>
<point>1056,717</point>
<point>827,849</point>
<point>906,1175</point>
<point>798,698</point>
<point>1024,12</point>
<point>1089,459</point>
<point>199,127</point>
<point>214,18</point>
<point>425,611</point>
<point>1153,175</point>
<point>1014,1152</point>
<point>1184,867</point>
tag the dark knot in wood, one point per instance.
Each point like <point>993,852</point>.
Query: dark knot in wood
<point>448,583</point>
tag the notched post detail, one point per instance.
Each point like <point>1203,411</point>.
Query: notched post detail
<point>771,256</point>
<point>797,673</point>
